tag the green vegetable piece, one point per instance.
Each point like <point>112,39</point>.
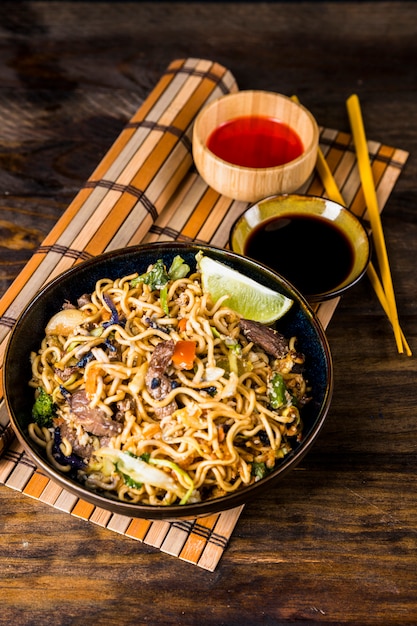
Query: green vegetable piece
<point>133,484</point>
<point>164,299</point>
<point>178,268</point>
<point>156,278</point>
<point>130,482</point>
<point>259,470</point>
<point>215,332</point>
<point>140,471</point>
<point>277,391</point>
<point>43,409</point>
<point>97,332</point>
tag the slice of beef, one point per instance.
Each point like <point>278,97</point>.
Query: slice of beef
<point>84,299</point>
<point>265,337</point>
<point>66,373</point>
<point>84,451</point>
<point>93,420</point>
<point>158,384</point>
<point>123,406</point>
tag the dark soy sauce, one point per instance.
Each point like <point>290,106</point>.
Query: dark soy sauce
<point>255,141</point>
<point>310,252</point>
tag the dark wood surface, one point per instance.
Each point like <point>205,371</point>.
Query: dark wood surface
<point>336,542</point>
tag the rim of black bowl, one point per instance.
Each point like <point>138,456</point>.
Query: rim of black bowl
<point>166,512</point>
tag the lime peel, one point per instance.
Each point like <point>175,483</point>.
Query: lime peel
<point>247,297</point>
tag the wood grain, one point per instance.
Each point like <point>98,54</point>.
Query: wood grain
<point>335,543</point>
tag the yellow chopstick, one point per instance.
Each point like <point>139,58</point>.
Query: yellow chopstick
<point>368,186</point>
<point>333,193</point>
<point>373,277</point>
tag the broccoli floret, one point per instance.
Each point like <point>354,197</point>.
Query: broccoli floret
<point>259,470</point>
<point>43,409</point>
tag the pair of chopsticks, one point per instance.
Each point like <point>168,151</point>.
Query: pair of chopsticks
<point>384,290</point>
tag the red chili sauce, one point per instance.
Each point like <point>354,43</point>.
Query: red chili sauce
<point>255,141</point>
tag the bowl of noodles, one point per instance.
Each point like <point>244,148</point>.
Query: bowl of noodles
<point>130,387</point>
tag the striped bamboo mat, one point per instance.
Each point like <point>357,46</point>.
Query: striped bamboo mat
<point>145,189</point>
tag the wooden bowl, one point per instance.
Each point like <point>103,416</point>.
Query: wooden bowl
<point>251,184</point>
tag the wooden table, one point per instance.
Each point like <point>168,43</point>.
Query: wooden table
<point>336,542</point>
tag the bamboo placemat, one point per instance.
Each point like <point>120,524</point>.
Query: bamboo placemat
<point>144,190</point>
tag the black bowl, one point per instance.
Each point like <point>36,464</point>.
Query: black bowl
<point>332,268</point>
<point>29,331</point>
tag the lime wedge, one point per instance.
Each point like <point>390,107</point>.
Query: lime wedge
<point>247,297</point>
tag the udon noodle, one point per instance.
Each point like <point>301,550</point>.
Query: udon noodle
<point>159,395</point>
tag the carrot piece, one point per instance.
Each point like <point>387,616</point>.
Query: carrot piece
<point>91,379</point>
<point>105,315</point>
<point>182,324</point>
<point>184,354</point>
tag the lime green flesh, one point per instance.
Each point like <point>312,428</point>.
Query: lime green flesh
<point>247,297</point>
